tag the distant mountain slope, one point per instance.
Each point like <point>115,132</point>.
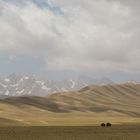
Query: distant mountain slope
<point>19,85</point>
<point>120,98</point>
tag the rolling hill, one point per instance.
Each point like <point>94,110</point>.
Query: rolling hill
<point>118,103</point>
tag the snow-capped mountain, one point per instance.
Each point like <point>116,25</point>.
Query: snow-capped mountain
<point>19,85</point>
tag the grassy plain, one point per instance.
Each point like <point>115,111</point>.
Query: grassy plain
<point>122,132</point>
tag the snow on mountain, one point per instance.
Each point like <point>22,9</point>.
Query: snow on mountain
<point>3,85</point>
<point>20,85</point>
<point>45,88</point>
<point>6,80</point>
<point>73,83</point>
<point>26,77</point>
<point>7,92</point>
<point>132,82</point>
<point>20,92</point>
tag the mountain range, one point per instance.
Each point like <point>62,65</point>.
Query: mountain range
<point>19,85</point>
<point>116,103</point>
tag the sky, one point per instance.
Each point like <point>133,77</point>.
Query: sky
<point>62,38</point>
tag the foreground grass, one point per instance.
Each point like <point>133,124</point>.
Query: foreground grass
<point>70,133</point>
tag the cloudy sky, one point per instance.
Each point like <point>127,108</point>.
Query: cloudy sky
<point>61,38</point>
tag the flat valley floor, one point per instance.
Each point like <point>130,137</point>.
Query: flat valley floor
<point>128,132</point>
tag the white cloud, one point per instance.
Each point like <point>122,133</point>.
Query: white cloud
<point>90,35</point>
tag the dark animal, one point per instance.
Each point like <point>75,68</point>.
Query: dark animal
<point>103,124</point>
<point>108,124</point>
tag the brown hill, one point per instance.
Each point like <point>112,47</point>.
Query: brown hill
<point>91,105</point>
